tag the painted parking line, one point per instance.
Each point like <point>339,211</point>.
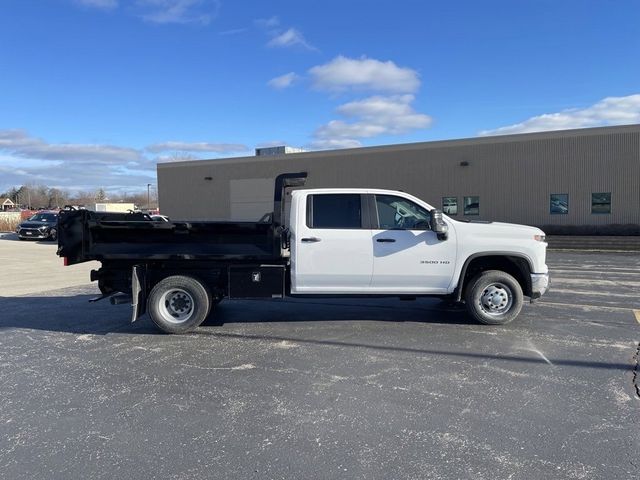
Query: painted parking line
<point>589,307</point>
<point>637,314</point>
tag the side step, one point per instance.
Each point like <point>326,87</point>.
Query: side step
<point>120,299</point>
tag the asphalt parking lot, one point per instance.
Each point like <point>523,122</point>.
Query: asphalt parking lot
<point>298,389</point>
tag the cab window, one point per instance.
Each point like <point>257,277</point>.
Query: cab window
<point>398,212</point>
<point>334,211</point>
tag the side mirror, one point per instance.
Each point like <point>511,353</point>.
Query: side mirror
<point>438,225</point>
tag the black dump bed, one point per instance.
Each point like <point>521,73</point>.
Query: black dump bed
<point>86,235</point>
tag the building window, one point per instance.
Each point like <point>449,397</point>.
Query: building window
<point>601,202</point>
<point>559,203</point>
<point>334,211</point>
<point>450,205</point>
<point>472,205</point>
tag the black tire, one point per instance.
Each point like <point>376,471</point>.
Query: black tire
<point>179,304</point>
<point>53,235</point>
<point>493,297</point>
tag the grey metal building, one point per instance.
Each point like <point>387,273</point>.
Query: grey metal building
<point>562,179</point>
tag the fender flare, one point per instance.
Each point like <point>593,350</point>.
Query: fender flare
<point>459,288</point>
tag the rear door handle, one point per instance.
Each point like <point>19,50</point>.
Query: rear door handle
<point>386,240</point>
<point>310,240</point>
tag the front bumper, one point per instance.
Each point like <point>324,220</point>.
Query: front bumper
<point>539,284</point>
<point>33,233</point>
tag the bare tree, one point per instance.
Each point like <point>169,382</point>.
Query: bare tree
<point>100,195</point>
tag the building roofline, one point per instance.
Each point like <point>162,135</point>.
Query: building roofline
<point>483,140</point>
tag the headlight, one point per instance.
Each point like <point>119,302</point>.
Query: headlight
<point>43,228</point>
<point>540,238</point>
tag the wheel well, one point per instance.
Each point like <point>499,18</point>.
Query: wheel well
<point>515,266</point>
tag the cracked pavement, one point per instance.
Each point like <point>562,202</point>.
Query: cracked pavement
<point>328,388</point>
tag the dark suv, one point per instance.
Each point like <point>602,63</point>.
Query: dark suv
<point>42,225</point>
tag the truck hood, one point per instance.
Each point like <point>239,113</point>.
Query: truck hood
<point>511,238</point>
<point>498,229</point>
<point>36,224</point>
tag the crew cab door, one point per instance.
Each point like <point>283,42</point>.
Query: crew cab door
<point>407,255</point>
<point>331,248</point>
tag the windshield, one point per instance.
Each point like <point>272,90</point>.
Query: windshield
<point>44,217</point>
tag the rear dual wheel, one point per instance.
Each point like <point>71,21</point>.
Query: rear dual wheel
<point>179,304</point>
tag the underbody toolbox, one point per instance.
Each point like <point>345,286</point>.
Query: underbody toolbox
<point>256,281</point>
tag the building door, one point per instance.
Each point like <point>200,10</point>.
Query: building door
<point>250,199</point>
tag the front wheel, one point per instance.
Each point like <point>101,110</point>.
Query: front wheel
<point>53,235</point>
<point>494,297</point>
<point>179,304</point>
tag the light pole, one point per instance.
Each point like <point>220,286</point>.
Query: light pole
<point>148,197</point>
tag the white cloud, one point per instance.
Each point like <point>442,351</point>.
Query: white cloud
<point>178,11</point>
<point>395,113</point>
<point>197,147</point>
<point>271,22</point>
<point>376,115</point>
<point>334,144</point>
<point>101,4</point>
<point>19,144</point>
<point>290,38</point>
<point>80,166</point>
<point>343,73</point>
<point>280,38</point>
<point>283,81</point>
<point>608,111</point>
<point>388,113</point>
<point>166,11</point>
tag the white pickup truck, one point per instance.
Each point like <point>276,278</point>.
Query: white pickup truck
<point>337,242</point>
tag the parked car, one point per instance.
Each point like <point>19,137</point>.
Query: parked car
<point>42,225</point>
<point>159,218</point>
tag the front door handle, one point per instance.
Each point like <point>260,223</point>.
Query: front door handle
<point>386,240</point>
<point>310,240</point>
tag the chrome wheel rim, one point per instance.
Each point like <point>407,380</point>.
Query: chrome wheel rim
<point>496,299</point>
<point>176,306</point>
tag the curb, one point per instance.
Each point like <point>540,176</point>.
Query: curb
<point>594,243</point>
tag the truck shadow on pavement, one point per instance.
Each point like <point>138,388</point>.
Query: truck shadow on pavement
<point>324,310</point>
<point>74,315</point>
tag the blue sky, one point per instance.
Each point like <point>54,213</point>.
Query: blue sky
<point>95,92</point>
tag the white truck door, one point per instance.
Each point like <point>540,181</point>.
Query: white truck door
<point>408,257</point>
<point>331,249</point>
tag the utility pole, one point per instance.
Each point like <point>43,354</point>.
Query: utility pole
<point>148,196</point>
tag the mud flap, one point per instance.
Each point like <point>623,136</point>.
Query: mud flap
<point>138,292</point>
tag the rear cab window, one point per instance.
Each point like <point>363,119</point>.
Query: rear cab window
<point>329,210</point>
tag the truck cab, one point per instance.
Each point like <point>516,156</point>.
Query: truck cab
<point>365,241</point>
